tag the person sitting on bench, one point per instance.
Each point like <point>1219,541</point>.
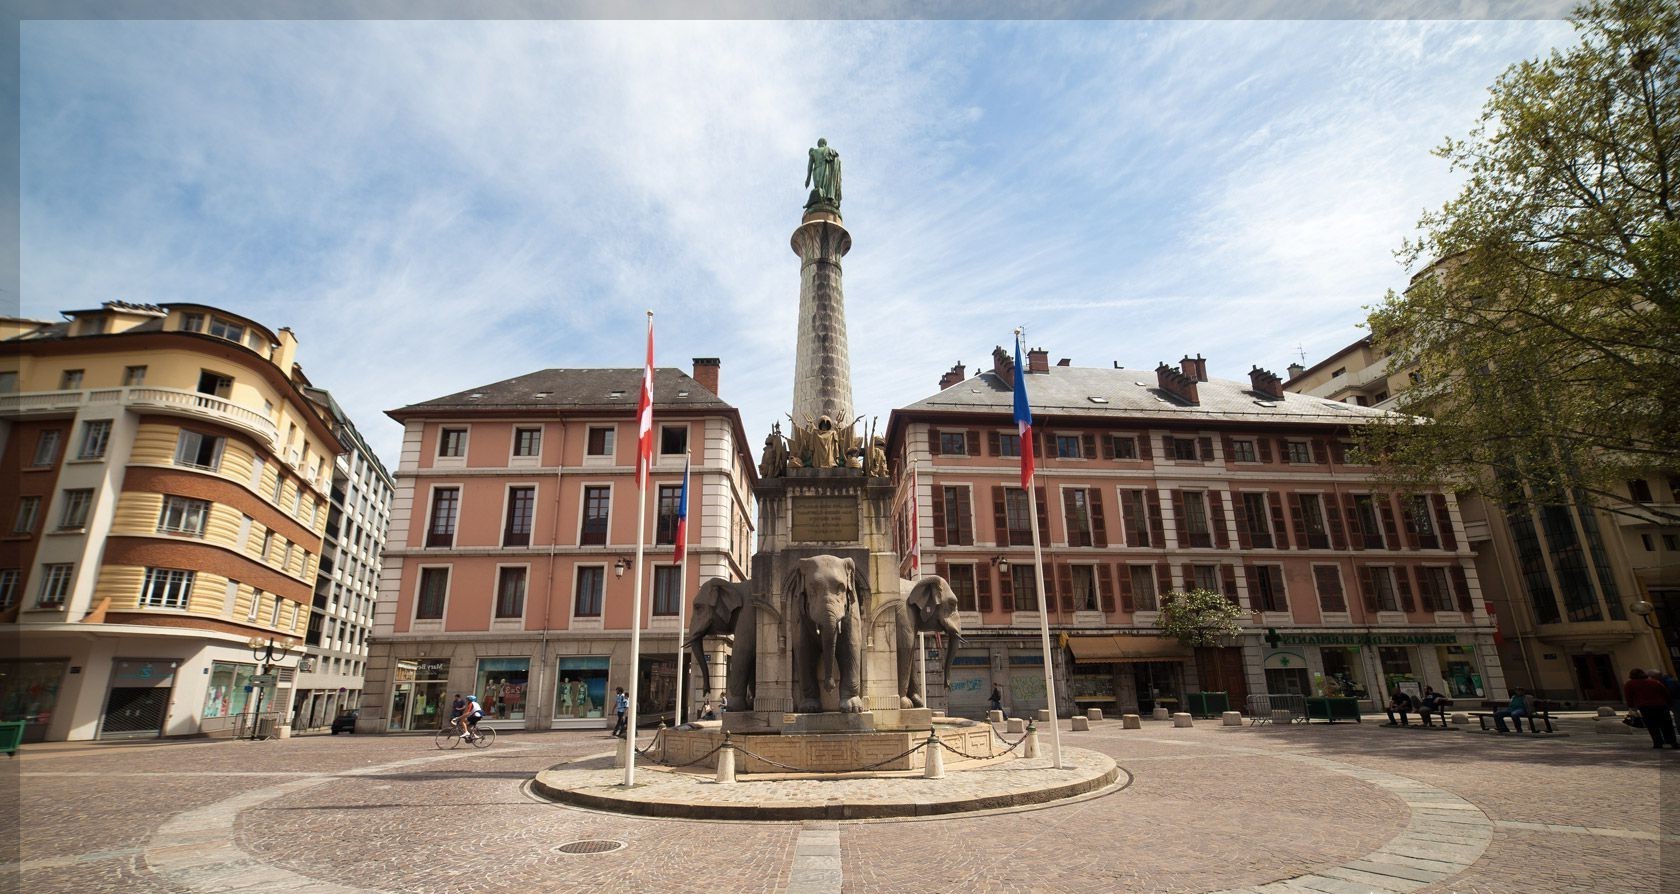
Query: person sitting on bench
<point>1400,701</point>
<point>1434,703</point>
<point>1517,710</point>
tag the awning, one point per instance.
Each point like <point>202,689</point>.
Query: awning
<point>1121,649</point>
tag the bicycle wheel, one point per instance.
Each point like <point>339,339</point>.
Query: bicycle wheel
<point>446,738</point>
<point>485,738</point>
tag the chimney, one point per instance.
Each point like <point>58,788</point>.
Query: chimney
<point>1194,367</point>
<point>1065,361</point>
<point>1038,360</point>
<point>957,373</point>
<point>286,353</point>
<point>1176,384</point>
<point>1266,383</point>
<point>1295,370</point>
<point>706,372</point>
<point>1003,366</point>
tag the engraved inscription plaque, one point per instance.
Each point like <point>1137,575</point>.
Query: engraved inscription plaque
<point>825,519</point>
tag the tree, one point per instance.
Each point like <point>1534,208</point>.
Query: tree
<point>1200,617</point>
<point>1544,334</point>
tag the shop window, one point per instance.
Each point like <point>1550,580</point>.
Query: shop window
<point>228,690</point>
<point>29,508</point>
<point>502,684</point>
<point>46,447</point>
<point>527,442</point>
<point>597,504</point>
<point>1242,451</point>
<point>582,691</point>
<point>521,511</point>
<point>96,434</point>
<point>666,580</point>
<point>166,588</point>
<point>1143,587</point>
<point>510,592</point>
<point>1331,597</point>
<point>432,593</point>
<point>1396,665</point>
<point>75,504</point>
<point>446,509</point>
<point>961,579</point>
<point>199,451</point>
<point>591,588</point>
<point>1342,673</point>
<point>452,443</point>
<point>183,516</point>
<point>599,441</point>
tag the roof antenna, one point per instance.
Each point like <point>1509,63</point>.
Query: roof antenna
<point>1302,352</point>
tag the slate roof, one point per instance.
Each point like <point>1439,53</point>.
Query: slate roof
<point>1133,394</point>
<point>576,389</point>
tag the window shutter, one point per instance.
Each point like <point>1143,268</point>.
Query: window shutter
<point>1105,588</point>
<point>1127,604</point>
<point>1145,452</point>
<point>1157,528</point>
<point>1006,590</point>
<point>1128,515</point>
<point>1043,517</point>
<point>1338,454</point>
<point>1000,516</point>
<point>1280,528</point>
<point>1216,520</point>
<point>1038,438</point>
<point>994,440</point>
<point>1204,446</point>
<point>1239,510</point>
<point>1107,446</point>
<point>943,569</point>
<point>1167,452</point>
<point>1368,592</point>
<point>1187,573</point>
<point>1443,522</point>
<point>1333,515</point>
<point>933,440</point>
<point>1298,511</point>
<point>1178,518</point>
<point>965,518</point>
<point>1354,532</point>
<point>1163,579</point>
<point>1064,585</point>
<point>1408,522</point>
<point>973,442</point>
<point>1088,445</point>
<point>938,515</point>
<point>1228,574</point>
<point>983,587</point>
<point>1321,454</point>
<point>1230,450</point>
<point>1264,446</point>
<point>1073,533</point>
<point>1099,525</point>
<point>1252,577</point>
<point>1462,585</point>
<point>1283,450</point>
<point>1391,532</point>
<point>1403,581</point>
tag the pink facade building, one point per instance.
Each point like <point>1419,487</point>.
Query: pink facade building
<point>508,571</point>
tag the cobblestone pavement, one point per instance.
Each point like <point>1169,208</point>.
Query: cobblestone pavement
<point>1344,809</point>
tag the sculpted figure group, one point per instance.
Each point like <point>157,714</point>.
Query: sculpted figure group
<point>822,444</point>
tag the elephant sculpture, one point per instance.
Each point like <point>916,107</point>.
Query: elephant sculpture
<point>824,604</point>
<point>723,607</point>
<point>929,606</point>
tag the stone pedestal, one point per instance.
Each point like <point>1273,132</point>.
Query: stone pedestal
<point>1182,720</point>
<point>1131,721</point>
<point>1081,724</point>
<point>905,718</point>
<point>1611,726</point>
<point>1231,718</point>
<point>828,722</point>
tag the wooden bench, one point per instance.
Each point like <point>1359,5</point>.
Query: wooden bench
<point>1541,713</point>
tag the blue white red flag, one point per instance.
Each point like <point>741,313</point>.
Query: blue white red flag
<point>1023,417</point>
<point>682,518</point>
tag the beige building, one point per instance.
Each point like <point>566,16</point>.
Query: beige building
<point>1564,581</point>
<point>172,484</point>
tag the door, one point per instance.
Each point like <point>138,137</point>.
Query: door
<point>138,702</point>
<point>1596,677</point>
<point>1026,692</point>
<point>970,690</point>
<point>1221,670</point>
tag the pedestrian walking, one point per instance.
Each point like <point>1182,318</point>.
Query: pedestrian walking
<point>1650,698</point>
<point>997,699</point>
<point>621,705</point>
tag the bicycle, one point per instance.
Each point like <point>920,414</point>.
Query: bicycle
<point>450,737</point>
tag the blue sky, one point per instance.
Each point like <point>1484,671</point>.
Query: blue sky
<point>434,206</point>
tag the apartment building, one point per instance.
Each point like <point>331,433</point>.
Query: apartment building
<point>172,481</point>
<point>1581,595</point>
<point>509,569</point>
<point>1154,481</point>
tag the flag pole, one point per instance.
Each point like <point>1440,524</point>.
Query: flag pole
<point>682,594</point>
<point>1043,604</point>
<point>645,425</point>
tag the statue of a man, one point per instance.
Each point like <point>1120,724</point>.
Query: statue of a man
<point>822,174</point>
<point>825,445</point>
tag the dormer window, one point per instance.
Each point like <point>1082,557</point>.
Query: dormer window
<point>225,329</point>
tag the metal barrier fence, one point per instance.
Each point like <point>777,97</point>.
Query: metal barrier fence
<point>1260,707</point>
<point>256,726</point>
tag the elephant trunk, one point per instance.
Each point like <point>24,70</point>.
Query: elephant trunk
<point>955,634</point>
<point>830,633</point>
<point>697,650</point>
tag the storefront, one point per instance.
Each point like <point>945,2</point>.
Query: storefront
<point>970,690</point>
<point>420,700</point>
<point>138,699</point>
<point>501,686</point>
<point>1370,665</point>
<point>29,692</point>
<point>1126,673</point>
<point>228,694</point>
<point>580,699</point>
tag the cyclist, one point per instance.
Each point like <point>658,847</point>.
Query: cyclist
<point>468,721</point>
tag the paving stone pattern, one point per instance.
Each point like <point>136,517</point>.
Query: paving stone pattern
<point>1289,810</point>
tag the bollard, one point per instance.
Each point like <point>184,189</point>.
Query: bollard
<point>934,767</point>
<point>1093,714</point>
<point>1030,747</point>
<point>1460,718</point>
<point>1182,720</point>
<point>1161,714</point>
<point>1231,718</point>
<point>1606,711</point>
<point>726,762</point>
<point>994,716</point>
<point>1131,721</point>
<point>1081,724</point>
<point>1016,725</point>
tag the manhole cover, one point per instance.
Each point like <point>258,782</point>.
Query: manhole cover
<point>590,846</point>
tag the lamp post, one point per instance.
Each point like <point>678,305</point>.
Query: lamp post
<point>267,652</point>
<point>1647,613</point>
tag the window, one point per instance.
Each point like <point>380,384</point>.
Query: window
<point>28,509</point>
<point>183,516</point>
<point>430,597</point>
<point>599,441</point>
<point>256,605</point>
<point>258,464</point>
<point>1025,581</point>
<point>1125,446</point>
<point>9,583</point>
<point>527,442</point>
<point>200,451</point>
<point>521,509</point>
<point>134,376</point>
<point>591,581</point>
<point>55,585</point>
<point>666,580</point>
<point>954,443</point>
<point>510,592</point>
<point>446,508</point>
<point>1196,519</point>
<point>1434,588</point>
<point>1365,510</point>
<point>1423,522</point>
<point>673,440</point>
<point>166,588</point>
<point>267,544</point>
<point>956,516</point>
<point>961,579</point>
<point>227,329</point>
<point>1143,587</point>
<point>274,612</point>
<point>665,524</point>
<point>1134,514</point>
<point>1256,521</point>
<point>1297,452</point>
<point>452,442</point>
<point>1206,577</point>
<point>1312,521</point>
<point>1266,588</point>
<point>8,382</point>
<point>1671,541</point>
<point>286,555</point>
<point>1649,542</point>
<point>597,505</point>
<point>1328,579</point>
<point>1085,588</point>
<point>192,322</point>
<point>214,383</point>
<point>1068,447</point>
<point>1242,451</point>
<point>76,503</point>
<point>1017,515</point>
<point>1076,507</point>
<point>96,434</point>
<point>46,447</point>
<point>1382,589</point>
<point>1640,490</point>
<point>71,380</point>
<point>1184,449</point>
<point>1009,444</point>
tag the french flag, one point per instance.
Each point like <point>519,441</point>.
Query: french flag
<point>1023,416</point>
<point>682,517</point>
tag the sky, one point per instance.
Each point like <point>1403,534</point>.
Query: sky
<point>434,206</point>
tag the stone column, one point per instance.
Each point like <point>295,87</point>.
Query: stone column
<point>822,372</point>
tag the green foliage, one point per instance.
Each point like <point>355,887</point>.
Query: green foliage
<point>1545,332</point>
<point>1200,617</point>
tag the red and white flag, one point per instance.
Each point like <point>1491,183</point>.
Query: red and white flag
<point>644,414</point>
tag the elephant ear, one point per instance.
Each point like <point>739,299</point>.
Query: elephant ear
<point>857,584</point>
<point>794,588</point>
<point>725,597</point>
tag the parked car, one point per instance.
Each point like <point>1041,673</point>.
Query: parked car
<point>345,723</point>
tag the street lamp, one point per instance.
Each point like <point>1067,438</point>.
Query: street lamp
<point>1002,563</point>
<point>621,566</point>
<point>267,651</point>
<point>1644,610</point>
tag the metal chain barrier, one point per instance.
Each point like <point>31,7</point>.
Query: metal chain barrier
<point>658,741</point>
<point>1012,746</point>
<point>793,769</point>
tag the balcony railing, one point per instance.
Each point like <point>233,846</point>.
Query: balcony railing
<point>175,400</point>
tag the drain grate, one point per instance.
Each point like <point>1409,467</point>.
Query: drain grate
<point>590,846</point>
